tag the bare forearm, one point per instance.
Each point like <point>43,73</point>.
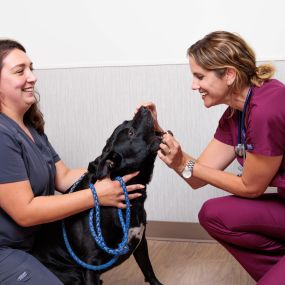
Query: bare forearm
<point>194,182</point>
<point>31,210</point>
<point>67,177</point>
<point>44,209</point>
<point>203,175</point>
<point>223,180</point>
<point>258,170</point>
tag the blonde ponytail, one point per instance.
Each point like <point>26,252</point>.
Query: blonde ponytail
<point>263,73</point>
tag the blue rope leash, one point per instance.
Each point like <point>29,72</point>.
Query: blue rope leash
<point>97,234</point>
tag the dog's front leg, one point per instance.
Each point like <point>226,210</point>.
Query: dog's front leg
<point>92,278</point>
<point>142,258</point>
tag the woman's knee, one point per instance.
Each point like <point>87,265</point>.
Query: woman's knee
<point>207,213</point>
<point>20,266</point>
<point>211,214</point>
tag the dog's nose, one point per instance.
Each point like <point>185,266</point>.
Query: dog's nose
<point>144,110</point>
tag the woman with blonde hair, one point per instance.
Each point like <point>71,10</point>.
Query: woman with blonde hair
<point>250,224</point>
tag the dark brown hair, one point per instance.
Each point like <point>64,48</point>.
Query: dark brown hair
<point>220,50</point>
<point>33,116</point>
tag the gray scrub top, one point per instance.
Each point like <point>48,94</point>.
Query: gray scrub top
<point>22,159</point>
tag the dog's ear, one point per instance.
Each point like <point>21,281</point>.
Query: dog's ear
<point>103,169</point>
<point>93,166</point>
<point>100,167</point>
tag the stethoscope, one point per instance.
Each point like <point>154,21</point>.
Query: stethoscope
<point>240,148</point>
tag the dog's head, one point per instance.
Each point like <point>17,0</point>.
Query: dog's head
<point>132,147</point>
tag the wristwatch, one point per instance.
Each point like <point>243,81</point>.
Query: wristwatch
<point>188,170</point>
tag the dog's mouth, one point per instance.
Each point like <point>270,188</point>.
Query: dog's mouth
<point>156,140</point>
<point>159,134</point>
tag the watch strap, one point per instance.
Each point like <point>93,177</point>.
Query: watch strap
<point>188,168</point>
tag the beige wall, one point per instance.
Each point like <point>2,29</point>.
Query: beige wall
<point>82,106</point>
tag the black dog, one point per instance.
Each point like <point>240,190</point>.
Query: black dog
<point>131,147</point>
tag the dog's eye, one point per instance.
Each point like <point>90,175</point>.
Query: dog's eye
<point>131,132</point>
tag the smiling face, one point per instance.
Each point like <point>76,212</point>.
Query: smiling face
<point>214,89</point>
<point>17,82</point>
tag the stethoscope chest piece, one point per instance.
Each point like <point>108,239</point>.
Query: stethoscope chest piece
<point>240,149</point>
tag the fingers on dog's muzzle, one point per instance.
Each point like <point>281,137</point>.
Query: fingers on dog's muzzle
<point>160,134</point>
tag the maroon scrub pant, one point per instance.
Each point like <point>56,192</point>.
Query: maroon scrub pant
<point>253,231</point>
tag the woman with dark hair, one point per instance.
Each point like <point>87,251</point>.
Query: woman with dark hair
<point>250,224</point>
<point>30,172</point>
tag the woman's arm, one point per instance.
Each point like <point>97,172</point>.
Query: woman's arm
<point>216,155</point>
<point>66,177</point>
<point>257,173</point>
<point>18,201</point>
<point>258,170</point>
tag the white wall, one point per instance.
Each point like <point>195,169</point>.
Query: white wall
<point>72,33</point>
<point>83,105</point>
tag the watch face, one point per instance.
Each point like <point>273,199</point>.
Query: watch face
<point>187,173</point>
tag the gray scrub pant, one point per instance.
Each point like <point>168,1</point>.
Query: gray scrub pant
<point>19,267</point>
